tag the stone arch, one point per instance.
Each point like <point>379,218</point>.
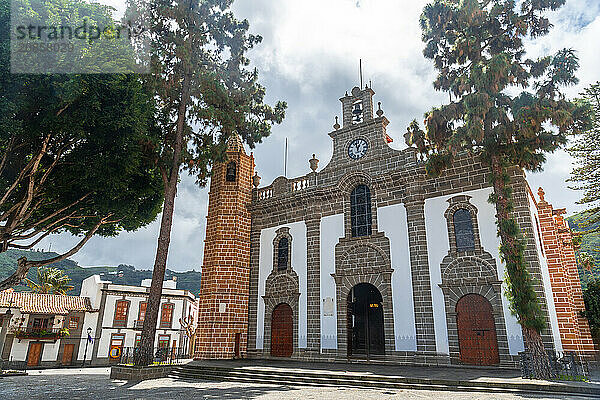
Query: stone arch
<point>345,186</point>
<point>344,284</point>
<point>490,291</point>
<point>469,269</point>
<point>281,288</point>
<point>279,234</point>
<point>373,260</point>
<point>352,179</point>
<point>456,203</point>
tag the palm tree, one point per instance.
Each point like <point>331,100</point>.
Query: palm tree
<point>50,281</point>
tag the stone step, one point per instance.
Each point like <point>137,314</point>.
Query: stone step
<point>332,382</point>
<point>296,377</point>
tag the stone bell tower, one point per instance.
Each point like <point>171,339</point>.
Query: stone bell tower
<point>223,299</point>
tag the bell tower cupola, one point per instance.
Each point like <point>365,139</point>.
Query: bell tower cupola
<point>358,106</point>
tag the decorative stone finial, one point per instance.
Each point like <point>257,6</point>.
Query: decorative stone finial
<point>256,180</point>
<point>541,194</point>
<point>336,126</point>
<point>314,163</point>
<point>379,111</point>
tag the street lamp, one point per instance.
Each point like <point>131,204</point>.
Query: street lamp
<point>87,341</point>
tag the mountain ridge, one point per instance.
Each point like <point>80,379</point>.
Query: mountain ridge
<point>122,274</point>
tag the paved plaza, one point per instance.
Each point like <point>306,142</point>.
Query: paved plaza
<point>94,383</point>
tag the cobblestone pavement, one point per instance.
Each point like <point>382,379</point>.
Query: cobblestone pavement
<point>94,383</point>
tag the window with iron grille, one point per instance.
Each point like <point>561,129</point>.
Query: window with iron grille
<point>360,211</point>
<point>73,322</point>
<point>166,317</point>
<point>283,254</point>
<point>231,173</point>
<point>463,230</point>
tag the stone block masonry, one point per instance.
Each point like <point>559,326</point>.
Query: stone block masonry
<point>224,290</point>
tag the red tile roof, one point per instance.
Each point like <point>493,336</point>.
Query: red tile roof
<point>35,303</point>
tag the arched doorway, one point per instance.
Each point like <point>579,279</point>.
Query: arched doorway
<point>365,321</point>
<point>282,331</point>
<point>477,340</point>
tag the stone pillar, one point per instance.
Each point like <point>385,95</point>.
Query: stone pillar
<point>313,279</point>
<point>522,213</point>
<point>419,265</point>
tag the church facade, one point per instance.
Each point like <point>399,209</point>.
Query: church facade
<point>369,258</point>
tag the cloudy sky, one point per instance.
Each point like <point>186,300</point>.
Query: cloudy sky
<point>309,58</point>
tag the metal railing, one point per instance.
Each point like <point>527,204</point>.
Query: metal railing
<point>564,365</point>
<point>161,355</point>
<point>6,365</point>
<point>40,333</point>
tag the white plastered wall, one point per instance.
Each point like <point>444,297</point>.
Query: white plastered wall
<point>392,221</point>
<point>332,229</point>
<point>437,249</point>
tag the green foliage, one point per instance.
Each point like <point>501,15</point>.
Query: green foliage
<point>50,281</point>
<point>591,297</point>
<point>586,151</point>
<point>587,225</point>
<point>76,150</point>
<point>108,53</point>
<point>201,47</point>
<point>505,108</point>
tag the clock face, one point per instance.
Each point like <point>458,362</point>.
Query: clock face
<point>357,149</point>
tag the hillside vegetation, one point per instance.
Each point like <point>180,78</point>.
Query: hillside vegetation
<point>122,274</point>
<point>590,244</point>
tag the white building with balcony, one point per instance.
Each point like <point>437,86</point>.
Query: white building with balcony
<point>121,312</point>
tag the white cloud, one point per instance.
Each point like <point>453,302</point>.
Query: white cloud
<point>309,57</point>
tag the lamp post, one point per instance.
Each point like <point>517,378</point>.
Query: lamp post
<point>87,341</point>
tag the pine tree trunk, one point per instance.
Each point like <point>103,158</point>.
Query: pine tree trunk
<point>511,251</point>
<point>144,354</point>
<point>539,358</point>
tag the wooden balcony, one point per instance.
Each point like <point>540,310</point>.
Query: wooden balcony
<point>41,333</point>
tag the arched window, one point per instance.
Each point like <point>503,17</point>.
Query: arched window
<point>282,254</point>
<point>463,230</point>
<point>360,211</point>
<point>230,175</point>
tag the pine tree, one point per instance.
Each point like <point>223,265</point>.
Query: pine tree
<point>205,94</point>
<point>586,151</point>
<point>478,52</point>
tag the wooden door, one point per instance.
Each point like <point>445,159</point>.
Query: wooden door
<point>282,331</point>
<point>34,355</point>
<point>67,357</point>
<point>477,340</point>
